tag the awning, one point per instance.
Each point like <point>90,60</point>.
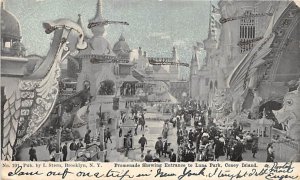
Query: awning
<point>138,75</point>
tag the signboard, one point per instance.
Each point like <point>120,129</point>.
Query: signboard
<point>108,59</point>
<point>165,61</point>
<point>106,22</point>
<point>224,20</point>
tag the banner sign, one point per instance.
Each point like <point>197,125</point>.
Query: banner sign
<point>165,61</point>
<point>224,20</point>
<point>108,59</point>
<point>106,22</point>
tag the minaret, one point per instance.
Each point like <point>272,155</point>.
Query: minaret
<point>194,63</point>
<point>174,54</point>
<point>99,13</point>
<point>99,29</point>
<point>98,43</point>
<point>193,75</point>
<point>80,23</point>
<point>174,68</point>
<point>210,43</point>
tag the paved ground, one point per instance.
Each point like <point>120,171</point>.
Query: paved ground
<point>152,131</point>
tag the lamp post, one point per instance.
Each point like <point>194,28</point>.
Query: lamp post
<point>102,144</point>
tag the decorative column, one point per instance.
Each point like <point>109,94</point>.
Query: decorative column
<point>102,144</point>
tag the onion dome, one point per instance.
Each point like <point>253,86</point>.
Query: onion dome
<point>10,26</point>
<point>121,47</point>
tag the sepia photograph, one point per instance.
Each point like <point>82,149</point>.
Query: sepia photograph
<point>150,81</point>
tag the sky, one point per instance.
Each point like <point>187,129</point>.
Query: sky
<point>154,25</point>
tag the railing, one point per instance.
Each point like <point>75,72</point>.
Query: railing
<point>280,137</point>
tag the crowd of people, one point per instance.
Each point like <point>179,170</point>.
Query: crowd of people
<point>198,139</point>
<point>209,143</point>
<point>204,140</point>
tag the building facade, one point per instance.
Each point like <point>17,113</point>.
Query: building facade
<point>252,66</point>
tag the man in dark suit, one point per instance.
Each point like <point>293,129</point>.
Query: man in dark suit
<point>143,141</point>
<point>65,151</point>
<point>172,156</point>
<point>159,146</point>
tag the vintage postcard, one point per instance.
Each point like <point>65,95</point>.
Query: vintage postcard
<point>144,89</point>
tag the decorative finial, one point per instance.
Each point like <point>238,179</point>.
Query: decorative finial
<point>99,14</point>
<point>121,38</point>
<point>79,21</point>
<point>174,53</point>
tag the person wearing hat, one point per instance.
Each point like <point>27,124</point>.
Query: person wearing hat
<point>159,146</point>
<point>219,148</point>
<point>191,135</point>
<point>148,157</point>
<point>143,142</point>
<point>270,153</point>
<point>87,138</point>
<point>108,136</point>
<point>237,151</point>
<point>65,151</point>
<point>172,156</point>
<point>73,149</point>
<point>165,148</point>
<point>32,154</point>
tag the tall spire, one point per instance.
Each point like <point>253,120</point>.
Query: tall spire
<point>99,13</point>
<point>80,23</point>
<point>99,9</point>
<point>121,38</point>
<point>174,54</point>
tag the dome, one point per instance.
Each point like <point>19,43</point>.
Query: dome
<point>121,46</point>
<point>10,27</point>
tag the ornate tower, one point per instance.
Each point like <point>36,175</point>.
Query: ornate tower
<point>99,44</point>
<point>174,69</point>
<point>194,77</point>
